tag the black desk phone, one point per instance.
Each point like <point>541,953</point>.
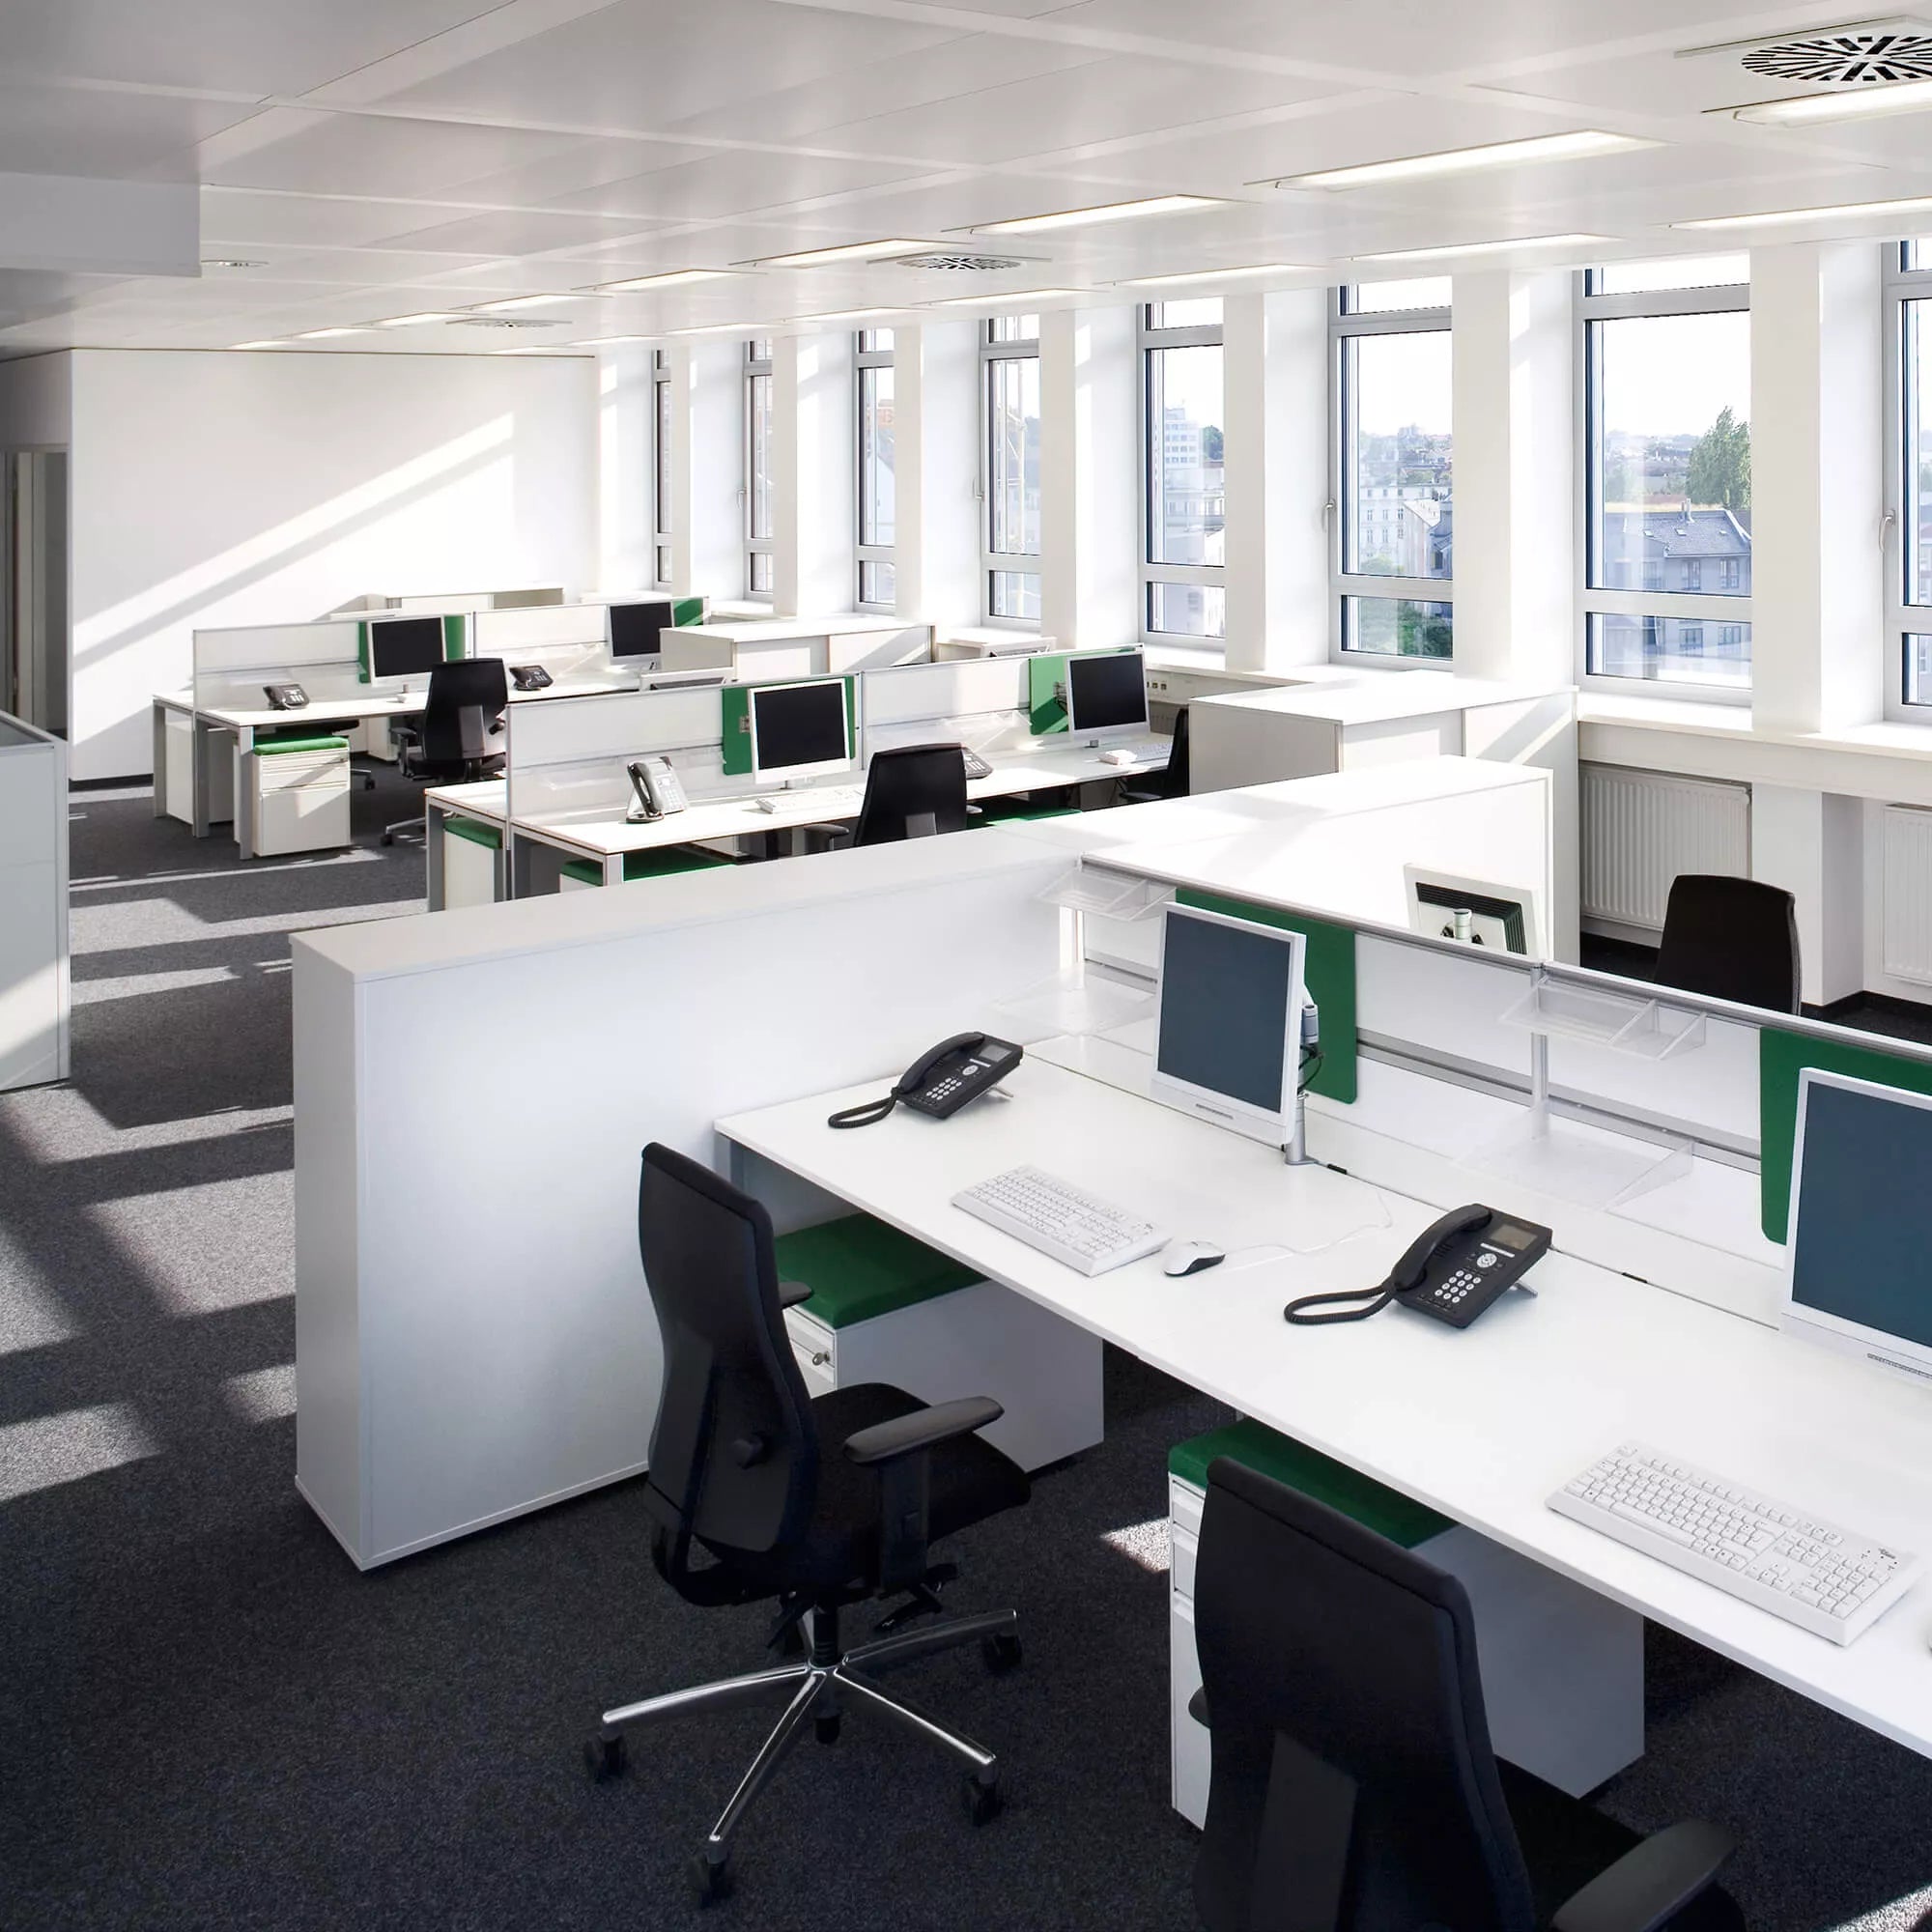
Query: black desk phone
<point>1454,1269</point>
<point>530,677</point>
<point>659,789</point>
<point>286,697</point>
<point>942,1081</point>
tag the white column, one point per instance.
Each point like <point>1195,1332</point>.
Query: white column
<point>936,471</point>
<point>625,407</point>
<point>815,478</point>
<point>1818,646</point>
<point>1811,843</point>
<point>708,470</point>
<point>1274,362</point>
<point>1090,467</point>
<point>1514,421</point>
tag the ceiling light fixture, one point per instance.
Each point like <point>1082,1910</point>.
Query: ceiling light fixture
<point>231,262</point>
<point>1904,98</point>
<point>723,329</point>
<point>522,302</point>
<point>851,252</point>
<point>604,341</point>
<point>1113,211</point>
<point>273,342</point>
<point>1212,276</point>
<point>1581,145</point>
<point>1009,298</point>
<point>1844,211</point>
<point>849,315</point>
<point>535,348</point>
<point>1454,248</point>
<point>322,334</point>
<point>422,316</point>
<point>674,279</point>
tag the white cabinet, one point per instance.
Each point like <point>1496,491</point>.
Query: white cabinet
<point>299,797</point>
<point>34,983</point>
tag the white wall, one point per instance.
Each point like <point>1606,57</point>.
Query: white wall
<point>213,488</point>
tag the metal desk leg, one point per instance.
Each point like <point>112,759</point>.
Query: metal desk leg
<point>614,869</point>
<point>160,717</point>
<point>245,793</point>
<point>433,886</point>
<point>203,742</point>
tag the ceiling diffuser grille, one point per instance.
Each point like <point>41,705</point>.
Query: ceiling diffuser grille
<point>955,263</point>
<point>1845,59</point>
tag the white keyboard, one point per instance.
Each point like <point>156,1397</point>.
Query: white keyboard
<point>1833,1582</point>
<point>1059,1220</point>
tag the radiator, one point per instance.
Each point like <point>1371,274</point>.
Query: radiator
<point>1641,829</point>
<point>1908,894</point>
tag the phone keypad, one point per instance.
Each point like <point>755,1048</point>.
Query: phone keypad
<point>1458,1288</point>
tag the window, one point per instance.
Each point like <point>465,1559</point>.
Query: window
<point>758,467</point>
<point>1392,458</point>
<point>878,573</point>
<point>1909,477</point>
<point>1010,557</point>
<point>1667,476</point>
<point>661,491</point>
<point>1183,501</point>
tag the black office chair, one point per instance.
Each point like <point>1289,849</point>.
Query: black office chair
<point>459,737</point>
<point>912,791</point>
<point>1353,1786</point>
<point>1169,782</point>
<point>819,1502</point>
<point>1732,939</point>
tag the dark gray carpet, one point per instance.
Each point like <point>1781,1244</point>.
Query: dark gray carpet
<point>207,1718</point>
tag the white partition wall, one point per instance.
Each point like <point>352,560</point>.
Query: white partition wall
<point>33,981</point>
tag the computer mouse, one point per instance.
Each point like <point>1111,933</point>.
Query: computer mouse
<point>1189,1257</point>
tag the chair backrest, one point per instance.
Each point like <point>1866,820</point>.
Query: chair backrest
<point>1353,1784</point>
<point>734,1456</point>
<point>913,790</point>
<point>466,698</point>
<point>1733,939</point>
<point>1175,777</point>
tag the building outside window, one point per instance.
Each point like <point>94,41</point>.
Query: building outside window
<point>1183,498</point>
<point>758,559</point>
<point>1665,482</point>
<point>1392,458</point>
<point>878,570</point>
<point>661,490</point>
<point>1009,451</point>
<point>1908,479</point>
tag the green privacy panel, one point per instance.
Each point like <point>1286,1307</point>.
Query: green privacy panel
<point>687,610</point>
<point>454,637</point>
<point>1331,982</point>
<point>1045,712</point>
<point>363,671</point>
<point>1781,1058</point>
<point>737,710</point>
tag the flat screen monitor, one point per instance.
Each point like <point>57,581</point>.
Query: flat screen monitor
<point>1106,693</point>
<point>405,647</point>
<point>1477,912</point>
<point>800,729</point>
<point>1227,1039</point>
<point>635,628</point>
<point>1855,1259</point>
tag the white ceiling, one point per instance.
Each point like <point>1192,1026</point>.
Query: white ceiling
<point>380,157</point>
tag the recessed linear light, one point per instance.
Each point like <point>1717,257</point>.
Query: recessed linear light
<point>1013,298</point>
<point>522,302</point>
<point>1912,204</point>
<point>1212,276</point>
<point>322,334</point>
<point>599,341</point>
<point>536,349</point>
<point>676,278</point>
<point>273,342</point>
<point>1902,97</point>
<point>231,262</point>
<point>850,314</point>
<point>422,316</point>
<point>1482,247</point>
<point>1113,211</point>
<point>723,329</point>
<point>1574,147</point>
<point>851,252</point>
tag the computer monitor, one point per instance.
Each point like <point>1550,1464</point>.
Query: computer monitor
<point>1227,1039</point>
<point>1478,911</point>
<point>1107,693</point>
<point>405,647</point>
<point>1855,1272</point>
<point>800,729</point>
<point>633,630</point>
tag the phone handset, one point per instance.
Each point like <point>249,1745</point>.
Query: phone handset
<point>657,786</point>
<point>1315,1311</point>
<point>915,1077</point>
<point>941,1080</point>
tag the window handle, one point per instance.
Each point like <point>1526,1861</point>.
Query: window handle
<point>1887,523</point>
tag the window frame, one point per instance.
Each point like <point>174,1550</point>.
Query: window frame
<point>1151,339</point>
<point>1346,325</point>
<point>757,369</point>
<point>1706,608</point>
<point>662,403</point>
<point>866,358</point>
<point>1904,619</point>
<point>998,562</point>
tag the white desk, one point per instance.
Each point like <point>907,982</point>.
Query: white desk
<point>1481,1424</point>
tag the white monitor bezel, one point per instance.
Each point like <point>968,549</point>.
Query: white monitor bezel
<point>1138,729</point>
<point>644,660</point>
<point>1816,1325</point>
<point>762,773</point>
<point>1529,897</point>
<point>1207,1103</point>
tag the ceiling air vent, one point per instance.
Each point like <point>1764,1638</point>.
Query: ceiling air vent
<point>953,262</point>
<point>506,322</point>
<point>1846,59</point>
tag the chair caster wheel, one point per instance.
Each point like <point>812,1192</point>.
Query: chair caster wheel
<point>1001,1652</point>
<point>389,839</point>
<point>711,1882</point>
<point>983,1802</point>
<point>605,1756</point>
<point>826,1729</point>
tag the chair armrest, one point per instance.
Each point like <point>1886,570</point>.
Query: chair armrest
<point>1197,1706</point>
<point>1651,1883</point>
<point>792,1292</point>
<point>923,1428</point>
